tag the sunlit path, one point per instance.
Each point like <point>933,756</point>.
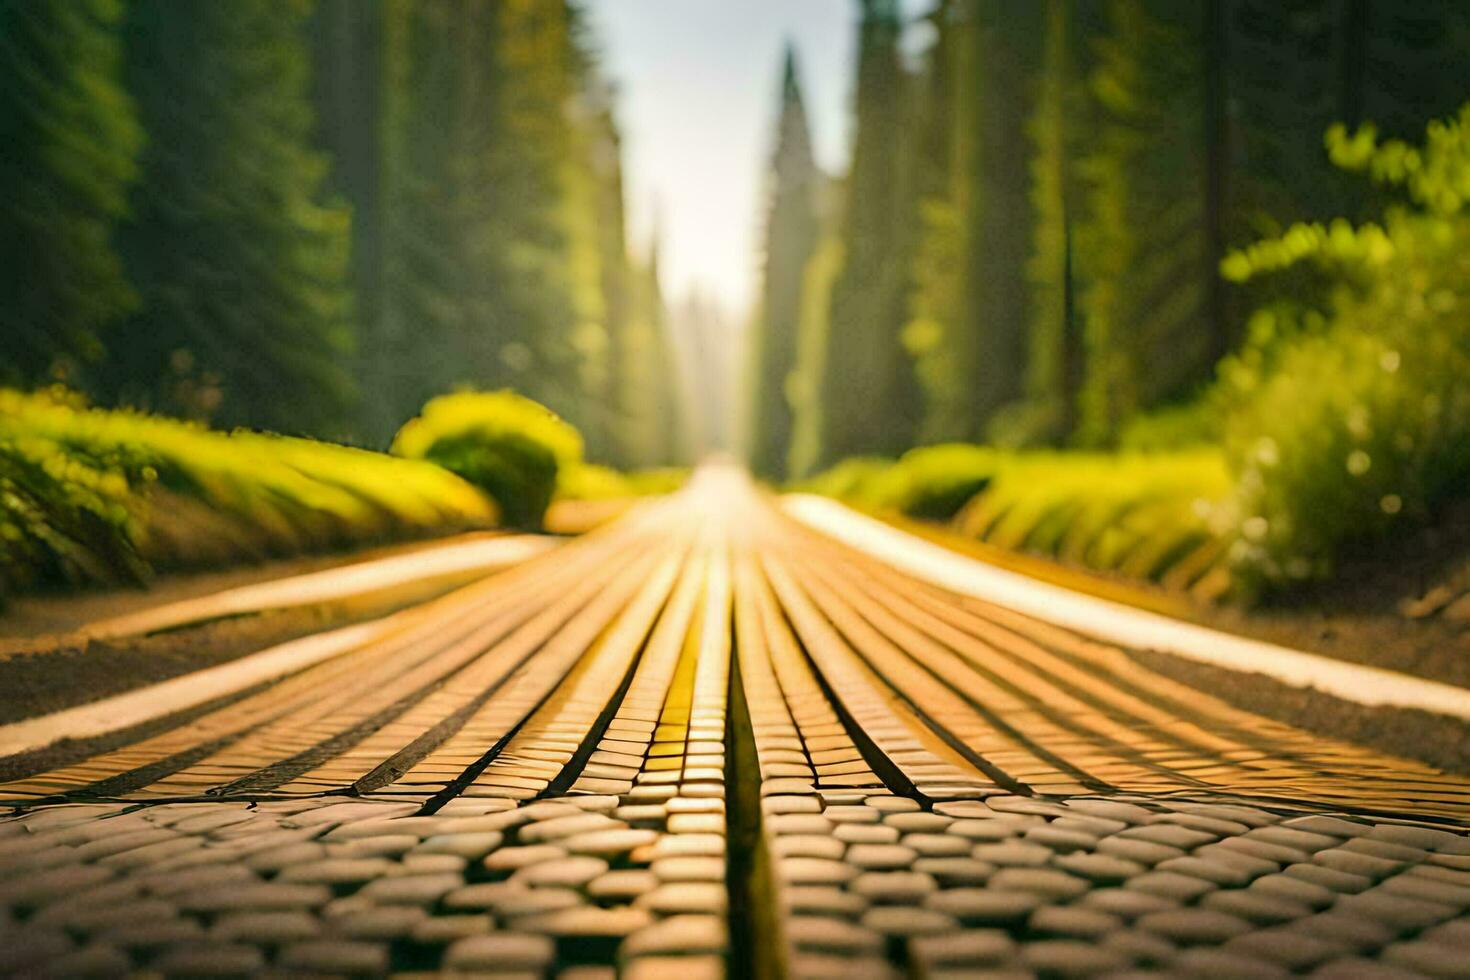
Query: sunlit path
<point>707,740</point>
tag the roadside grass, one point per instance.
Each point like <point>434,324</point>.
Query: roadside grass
<point>1157,516</point>
<point>90,496</point>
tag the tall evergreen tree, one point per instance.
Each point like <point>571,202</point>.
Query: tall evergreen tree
<point>790,237</point>
<point>1053,342</point>
<point>1002,65</point>
<point>1142,241</point>
<point>870,398</point>
<point>349,47</point>
<point>71,141</point>
<point>241,269</point>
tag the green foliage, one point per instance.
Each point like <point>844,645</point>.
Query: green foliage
<point>804,385</point>
<point>509,445</point>
<point>870,400</point>
<point>1140,240</point>
<point>240,266</point>
<point>1153,515</point>
<point>1353,421</point>
<point>71,141</point>
<point>89,496</point>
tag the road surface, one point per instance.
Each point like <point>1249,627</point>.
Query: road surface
<point>706,740</point>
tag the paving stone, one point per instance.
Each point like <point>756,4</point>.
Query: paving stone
<point>1013,854</point>
<point>880,857</point>
<point>445,929</point>
<point>1139,851</point>
<point>1069,957</point>
<point>803,845</point>
<point>380,923</point>
<point>831,935</point>
<point>337,871</point>
<point>955,871</point>
<point>1143,948</point>
<point>689,869</point>
<point>1332,879</point>
<point>470,846</point>
<point>1255,907</point>
<point>1104,869</point>
<point>1294,889</point>
<point>1355,932</point>
<point>210,960</point>
<point>985,907</point>
<point>241,897</point>
<point>1127,903</point>
<point>1354,863</point>
<point>815,871</point>
<point>1073,922</point>
<point>587,922</point>
<point>94,960</point>
<point>691,897</point>
<point>823,900</point>
<point>411,889</point>
<point>1331,826</point>
<point>1221,965</point>
<point>893,887</point>
<point>567,872</point>
<point>1061,841</point>
<point>987,830</point>
<point>907,921</point>
<point>1396,911</point>
<point>1049,882</point>
<point>515,858</point>
<point>156,934</point>
<point>1195,925</point>
<point>271,928</point>
<point>1428,889</point>
<point>1169,835</point>
<point>1385,849</point>
<point>1218,872</point>
<point>1294,837</point>
<point>854,833</point>
<point>1181,888</point>
<point>891,804</point>
<point>674,968</point>
<point>1290,949</point>
<point>679,934</point>
<point>1357,968</point>
<point>383,845</point>
<point>1429,958</point>
<point>500,951</point>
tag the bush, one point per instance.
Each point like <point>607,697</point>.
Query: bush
<point>1356,422</point>
<point>510,446</point>
<point>91,496</point>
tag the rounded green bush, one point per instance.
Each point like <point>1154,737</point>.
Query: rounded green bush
<point>504,443</point>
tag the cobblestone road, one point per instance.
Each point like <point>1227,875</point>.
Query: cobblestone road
<point>705,742</point>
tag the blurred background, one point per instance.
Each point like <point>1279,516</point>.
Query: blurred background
<point>803,232</point>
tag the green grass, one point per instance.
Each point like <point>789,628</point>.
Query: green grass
<point>1158,516</point>
<point>90,496</point>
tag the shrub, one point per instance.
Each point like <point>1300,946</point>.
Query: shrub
<point>1356,423</point>
<point>934,482</point>
<point>509,445</point>
<point>589,481</point>
<point>92,496</point>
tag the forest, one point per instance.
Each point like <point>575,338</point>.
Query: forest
<point>310,217</point>
<point>1108,228</point>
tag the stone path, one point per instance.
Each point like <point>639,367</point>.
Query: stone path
<point>705,742</point>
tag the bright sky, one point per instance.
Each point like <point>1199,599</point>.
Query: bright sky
<point>698,82</point>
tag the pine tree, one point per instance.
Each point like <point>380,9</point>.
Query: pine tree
<point>349,47</point>
<point>71,141</point>
<point>1057,130</point>
<point>790,237</point>
<point>241,269</point>
<point>869,395</point>
<point>997,209</point>
<point>1141,241</point>
<point>936,334</point>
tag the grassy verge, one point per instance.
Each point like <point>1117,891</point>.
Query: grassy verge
<point>1155,516</point>
<point>90,496</point>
